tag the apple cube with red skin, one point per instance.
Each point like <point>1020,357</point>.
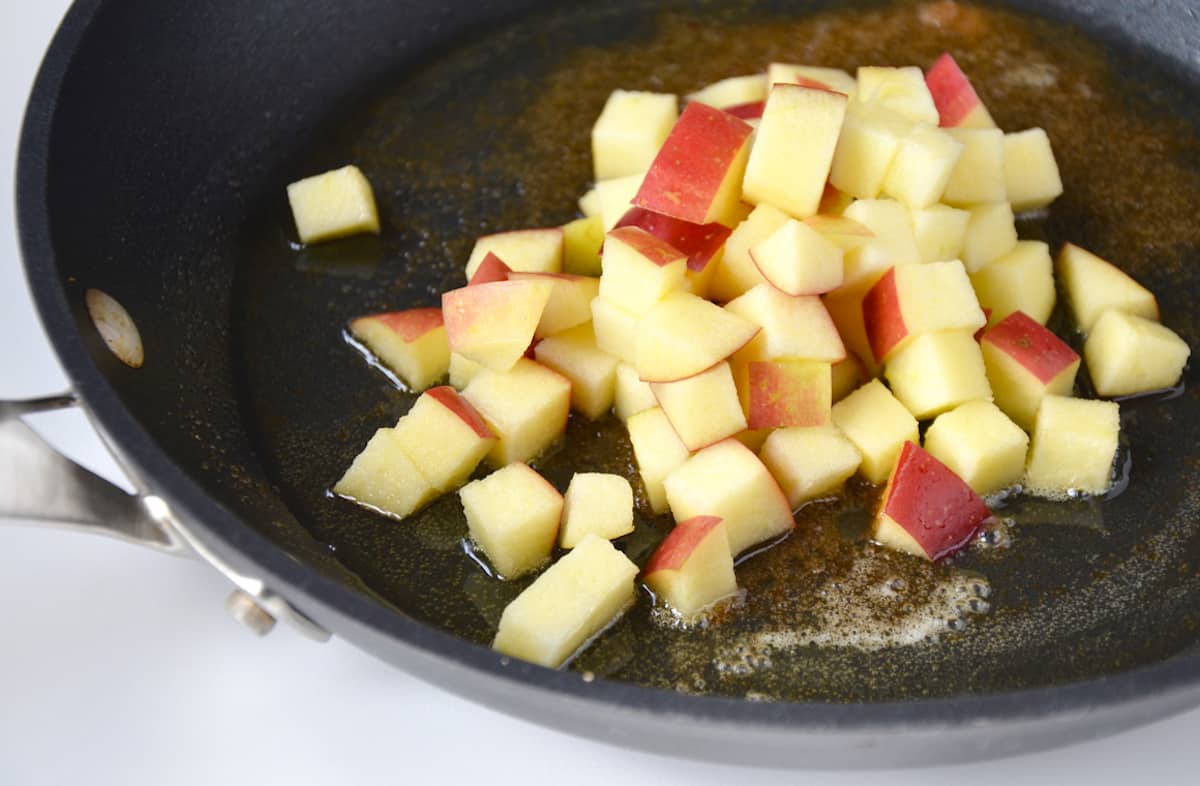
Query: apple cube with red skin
<point>527,250</point>
<point>704,408</point>
<point>445,436</point>
<point>333,205</point>
<point>696,176</point>
<point>411,343</point>
<point>592,373</point>
<point>793,151</point>
<point>1030,172</point>
<point>1127,355</point>
<point>729,481</point>
<point>582,239</point>
<point>981,445</point>
<point>1021,280</point>
<point>901,90</point>
<point>810,463</point>
<point>684,335</point>
<point>526,407</point>
<point>878,425</point>
<point>629,132</point>
<point>978,177</point>
<point>1073,446</point>
<point>798,327</point>
<point>1025,363</point>
<point>639,269</point>
<point>798,260</point>
<point>737,272</point>
<point>991,233</point>
<point>938,371</point>
<point>596,503</point>
<point>922,167</point>
<point>384,479</point>
<point>692,568</point>
<point>939,232</point>
<point>494,324</point>
<point>812,76</point>
<point>658,452</point>
<point>568,605</point>
<point>927,510</point>
<point>492,268</point>
<point>732,91</point>
<point>632,394</point>
<point>1094,285</point>
<point>956,100</point>
<point>700,243</point>
<point>789,392</point>
<point>750,112</point>
<point>915,299</point>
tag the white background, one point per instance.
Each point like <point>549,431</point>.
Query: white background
<point>119,666</point>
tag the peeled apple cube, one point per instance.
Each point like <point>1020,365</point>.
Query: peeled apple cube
<point>592,373</point>
<point>704,408</point>
<point>513,515</point>
<point>981,445</point>
<point>1127,354</point>
<point>939,231</point>
<point>902,90</point>
<point>991,233</point>
<point>1094,285</point>
<point>1030,171</point>
<point>692,568</point>
<point>565,607</point>
<point>615,329</point>
<point>383,478</point>
<point>658,452</point>
<point>878,425</point>
<point>596,503</point>
<point>630,130</point>
<point>893,244</point>
<point>1073,447</point>
<point>870,137</point>
<point>613,198</point>
<point>792,327</point>
<point>922,167</point>
<point>632,394</point>
<point>978,177</point>
<point>809,463</point>
<point>333,205</point>
<point>582,239</point>
<point>937,372</point>
<point>1021,280</point>
<point>798,260</point>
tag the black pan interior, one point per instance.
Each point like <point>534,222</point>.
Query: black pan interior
<point>169,195</point>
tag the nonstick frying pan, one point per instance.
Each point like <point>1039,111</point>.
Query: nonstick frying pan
<point>156,146</point>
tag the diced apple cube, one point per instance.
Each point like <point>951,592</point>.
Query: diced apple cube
<point>697,174</point>
<point>526,408</point>
<point>633,395</point>
<point>1127,354</point>
<point>1025,363</point>
<point>729,481</point>
<point>798,327</point>
<point>582,239</point>
<point>692,568</point>
<point>1021,280</point>
<point>411,343</point>
<point>684,335</point>
<point>870,137</point>
<point>922,167</point>
<point>513,515</point>
<point>939,231</point>
<point>810,463</point>
<point>792,154</point>
<point>568,605</point>
<point>702,244</point>
<point>704,408</point>
<point>991,233</point>
<point>732,91</point>
<point>527,250</point>
<point>639,269</point>
<point>956,100</point>
<point>1094,285</point>
<point>1030,171</point>
<point>1073,447</point>
<point>798,260</point>
<point>981,445</point>
<point>333,205</point>
<point>592,373</point>
<point>937,372</point>
<point>914,299</point>
<point>658,452</point>
<point>631,128</point>
<point>615,329</point>
<point>789,392</point>
<point>927,510</point>
<point>383,478</point>
<point>569,304</point>
<point>737,272</point>
<point>812,76</point>
<point>462,370</point>
<point>978,177</point>
<point>445,437</point>
<point>878,425</point>
<point>614,198</point>
<point>596,503</point>
<point>846,375</point>
<point>902,90</point>
<point>893,244</point>
<point>493,324</point>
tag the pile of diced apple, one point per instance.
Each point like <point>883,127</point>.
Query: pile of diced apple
<point>773,289</point>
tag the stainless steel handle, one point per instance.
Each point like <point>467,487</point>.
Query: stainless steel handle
<point>40,485</point>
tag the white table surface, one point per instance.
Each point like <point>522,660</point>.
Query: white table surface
<point>119,666</point>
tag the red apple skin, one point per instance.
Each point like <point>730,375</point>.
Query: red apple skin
<point>689,168</point>
<point>448,397</point>
<point>679,544</point>
<point>492,268</point>
<point>410,325</point>
<point>883,317</point>
<point>700,242</point>
<point>463,306</point>
<point>750,111</point>
<point>1035,347</point>
<point>952,92</point>
<point>779,399</point>
<point>935,506</point>
<point>652,248</point>
<point>987,316</point>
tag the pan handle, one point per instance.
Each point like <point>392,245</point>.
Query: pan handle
<point>42,486</point>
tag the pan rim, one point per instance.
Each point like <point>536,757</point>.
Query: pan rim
<point>219,527</point>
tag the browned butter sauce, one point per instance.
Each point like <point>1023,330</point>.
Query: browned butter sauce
<point>825,614</point>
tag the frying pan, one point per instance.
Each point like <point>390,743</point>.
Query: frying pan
<point>156,144</point>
